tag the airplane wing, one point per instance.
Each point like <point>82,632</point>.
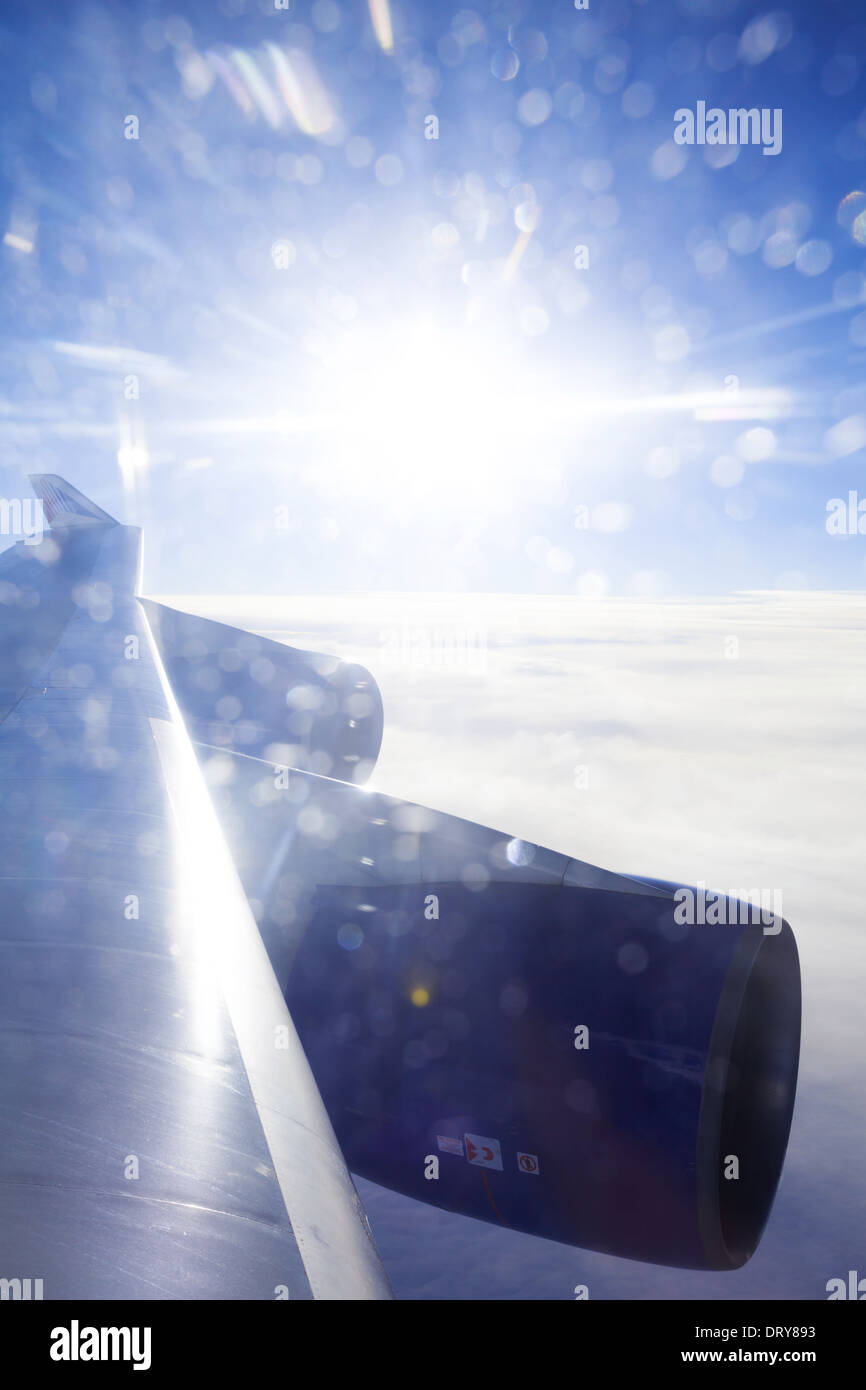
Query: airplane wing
<point>191,870</point>
<point>161,1133</point>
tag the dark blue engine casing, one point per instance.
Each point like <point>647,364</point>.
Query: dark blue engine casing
<point>422,1030</point>
<point>511,1034</point>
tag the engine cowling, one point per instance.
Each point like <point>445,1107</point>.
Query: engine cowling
<point>579,1064</point>
<point>508,1033</point>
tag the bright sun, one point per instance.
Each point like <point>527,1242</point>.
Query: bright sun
<point>416,409</point>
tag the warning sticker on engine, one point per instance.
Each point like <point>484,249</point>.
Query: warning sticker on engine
<point>447,1145</point>
<point>486,1153</point>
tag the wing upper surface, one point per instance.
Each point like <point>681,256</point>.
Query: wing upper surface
<point>161,1135</point>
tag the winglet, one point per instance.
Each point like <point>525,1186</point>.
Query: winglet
<point>64,505</point>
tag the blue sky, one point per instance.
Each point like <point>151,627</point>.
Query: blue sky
<point>366,359</point>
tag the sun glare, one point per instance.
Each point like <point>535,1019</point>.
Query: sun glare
<point>418,410</point>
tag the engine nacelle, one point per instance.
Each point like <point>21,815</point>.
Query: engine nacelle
<point>581,1064</point>
<point>522,1037</point>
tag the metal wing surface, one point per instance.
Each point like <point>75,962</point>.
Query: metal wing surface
<point>161,1134</point>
